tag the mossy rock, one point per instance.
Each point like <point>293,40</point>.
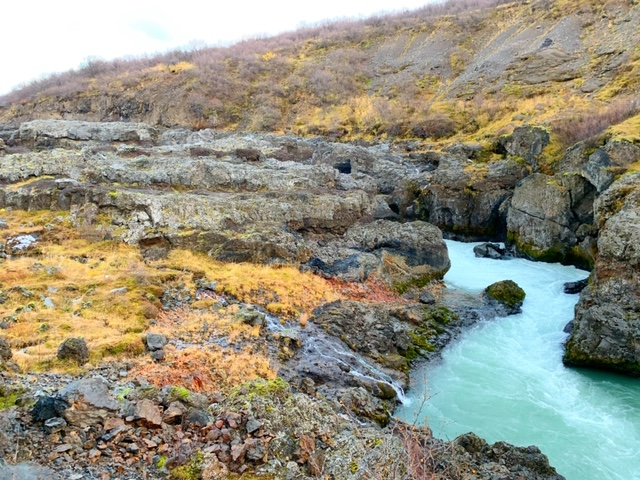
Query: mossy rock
<point>439,315</point>
<point>506,293</point>
<point>574,356</point>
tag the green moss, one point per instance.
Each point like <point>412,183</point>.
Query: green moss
<point>191,470</point>
<point>555,254</point>
<point>417,282</point>
<point>419,341</point>
<point>441,315</point>
<point>507,292</point>
<point>394,361</point>
<point>262,388</point>
<point>180,393</point>
<point>8,399</point>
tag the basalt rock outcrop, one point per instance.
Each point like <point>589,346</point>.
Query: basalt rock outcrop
<point>550,218</point>
<point>607,323</point>
<point>268,199</point>
<point>466,199</point>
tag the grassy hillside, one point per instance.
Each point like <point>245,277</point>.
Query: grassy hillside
<point>463,70</point>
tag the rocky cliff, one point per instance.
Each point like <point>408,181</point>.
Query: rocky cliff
<point>607,324</point>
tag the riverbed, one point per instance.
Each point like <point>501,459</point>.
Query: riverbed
<point>504,378</point>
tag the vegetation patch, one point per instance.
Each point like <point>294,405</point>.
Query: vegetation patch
<point>506,292</point>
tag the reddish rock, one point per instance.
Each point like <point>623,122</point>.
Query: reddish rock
<point>149,412</point>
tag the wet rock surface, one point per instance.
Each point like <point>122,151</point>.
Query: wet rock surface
<point>607,324</point>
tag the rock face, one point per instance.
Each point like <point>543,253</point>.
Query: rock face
<point>50,133</point>
<point>465,199</point>
<point>606,331</point>
<point>550,219</point>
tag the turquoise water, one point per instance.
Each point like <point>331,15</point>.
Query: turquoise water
<point>504,379</point>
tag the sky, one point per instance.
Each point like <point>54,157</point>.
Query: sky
<point>39,37</point>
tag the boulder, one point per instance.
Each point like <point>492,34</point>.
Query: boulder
<point>506,296</point>
<point>367,328</point>
<point>526,142</point>
<point>155,341</point>
<point>606,331</point>
<point>489,250</point>
<point>75,350</point>
<point>575,287</point>
<point>411,254</point>
<point>90,402</point>
<point>47,408</point>
<point>597,170</point>
<point>5,350</point>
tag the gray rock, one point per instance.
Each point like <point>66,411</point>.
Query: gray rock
<point>545,214</point>
<point>466,199</point>
<point>47,408</point>
<point>90,402</point>
<point>596,170</point>
<point>196,418</point>
<point>27,471</point>
<point>427,297</point>
<point>251,317</point>
<point>48,132</point>
<point>526,142</point>
<point>489,250</point>
<point>575,287</point>
<point>55,424</point>
<point>158,355</point>
<point>253,425</point>
<point>74,349</point>
<point>506,296</point>
<point>5,350</point>
<point>412,252</point>
<point>155,341</point>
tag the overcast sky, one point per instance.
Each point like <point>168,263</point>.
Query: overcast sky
<point>45,36</point>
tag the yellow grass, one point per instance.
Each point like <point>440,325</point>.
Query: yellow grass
<point>106,293</point>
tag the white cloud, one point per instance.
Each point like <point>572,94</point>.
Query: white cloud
<point>41,37</point>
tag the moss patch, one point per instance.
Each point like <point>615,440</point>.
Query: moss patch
<point>506,292</point>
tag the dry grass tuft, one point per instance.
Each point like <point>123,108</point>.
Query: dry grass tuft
<point>209,368</point>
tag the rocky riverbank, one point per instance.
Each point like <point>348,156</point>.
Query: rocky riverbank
<point>362,227</point>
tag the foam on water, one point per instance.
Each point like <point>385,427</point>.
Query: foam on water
<point>504,379</point>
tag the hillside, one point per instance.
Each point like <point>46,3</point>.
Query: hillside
<point>229,262</point>
<point>464,70</point>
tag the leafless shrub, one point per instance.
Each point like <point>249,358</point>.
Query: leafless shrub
<point>588,124</point>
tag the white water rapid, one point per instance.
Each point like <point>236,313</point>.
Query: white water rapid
<point>504,378</point>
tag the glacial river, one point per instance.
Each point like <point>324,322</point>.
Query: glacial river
<point>504,378</point>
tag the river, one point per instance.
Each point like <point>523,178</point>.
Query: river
<point>504,379</point>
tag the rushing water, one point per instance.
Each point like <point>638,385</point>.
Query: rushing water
<point>504,379</point>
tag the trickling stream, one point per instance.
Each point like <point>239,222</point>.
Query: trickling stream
<point>504,378</point>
